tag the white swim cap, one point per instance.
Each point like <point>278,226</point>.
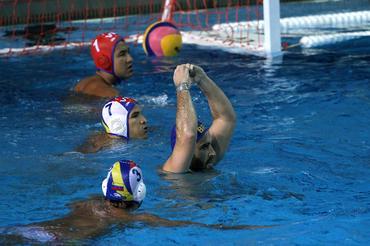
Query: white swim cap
<point>115,114</point>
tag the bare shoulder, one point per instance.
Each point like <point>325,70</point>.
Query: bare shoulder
<point>86,82</point>
<point>95,86</point>
<point>95,142</point>
<point>91,204</point>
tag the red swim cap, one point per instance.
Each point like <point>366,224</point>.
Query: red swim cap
<point>102,51</point>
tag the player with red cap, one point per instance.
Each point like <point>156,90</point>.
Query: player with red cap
<point>113,63</point>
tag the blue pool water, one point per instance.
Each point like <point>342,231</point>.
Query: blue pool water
<point>299,159</point>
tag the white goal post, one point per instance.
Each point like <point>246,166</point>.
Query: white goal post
<point>272,37</point>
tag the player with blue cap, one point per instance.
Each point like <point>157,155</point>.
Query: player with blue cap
<point>194,146</point>
<point>124,191</point>
<point>124,184</point>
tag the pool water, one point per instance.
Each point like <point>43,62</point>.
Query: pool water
<point>299,158</point>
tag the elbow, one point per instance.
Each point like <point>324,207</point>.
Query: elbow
<point>187,132</point>
<point>231,117</point>
<point>187,135</point>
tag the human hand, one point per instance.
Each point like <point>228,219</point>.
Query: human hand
<point>197,74</point>
<point>182,74</point>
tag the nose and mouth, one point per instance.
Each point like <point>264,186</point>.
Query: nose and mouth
<point>145,128</point>
<point>210,161</point>
<point>129,68</point>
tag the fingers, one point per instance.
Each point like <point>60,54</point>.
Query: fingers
<point>192,71</point>
<point>188,69</point>
<point>184,69</point>
<point>181,73</point>
<point>188,72</point>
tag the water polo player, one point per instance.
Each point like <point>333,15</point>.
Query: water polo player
<point>113,63</point>
<point>194,146</point>
<point>124,185</point>
<point>122,118</point>
<point>123,191</point>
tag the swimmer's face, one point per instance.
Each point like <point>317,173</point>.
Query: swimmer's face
<point>137,124</point>
<point>204,154</point>
<point>122,61</point>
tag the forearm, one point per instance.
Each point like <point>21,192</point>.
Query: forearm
<point>183,151</point>
<point>219,104</point>
<point>186,123</point>
<point>153,220</point>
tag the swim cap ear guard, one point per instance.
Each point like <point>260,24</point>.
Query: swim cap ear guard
<point>115,115</point>
<point>102,51</point>
<point>124,183</point>
<point>103,62</point>
<point>201,131</point>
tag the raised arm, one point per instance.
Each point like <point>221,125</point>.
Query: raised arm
<point>186,124</point>
<point>224,117</point>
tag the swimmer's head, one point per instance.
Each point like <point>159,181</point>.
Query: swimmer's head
<point>122,117</point>
<point>204,154</point>
<point>124,184</point>
<point>111,55</point>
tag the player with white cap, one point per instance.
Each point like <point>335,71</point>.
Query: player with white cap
<point>122,118</point>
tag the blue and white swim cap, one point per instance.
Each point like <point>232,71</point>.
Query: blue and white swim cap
<point>201,131</point>
<point>115,115</point>
<point>124,183</point>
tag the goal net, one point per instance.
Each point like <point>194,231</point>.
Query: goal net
<point>257,27</point>
<point>38,25</point>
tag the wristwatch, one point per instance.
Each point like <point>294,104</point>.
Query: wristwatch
<point>183,86</point>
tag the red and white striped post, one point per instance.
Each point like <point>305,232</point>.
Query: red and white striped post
<point>168,10</point>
